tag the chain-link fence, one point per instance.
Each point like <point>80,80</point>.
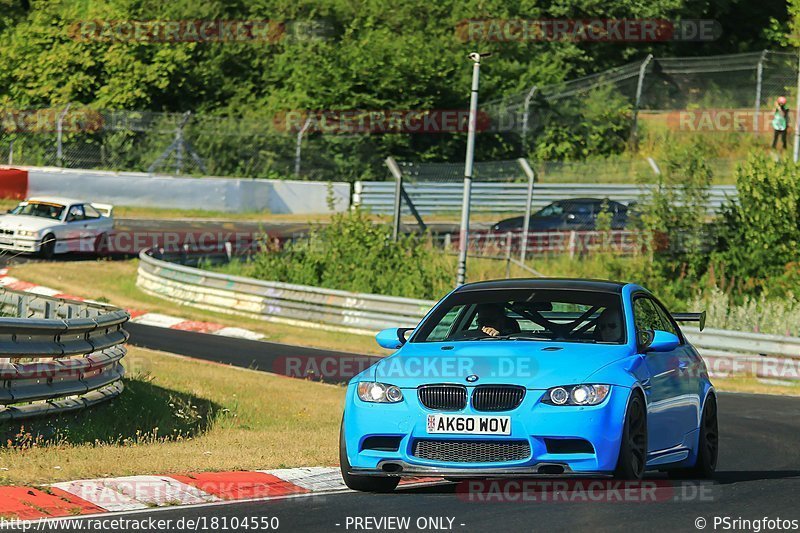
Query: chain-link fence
<point>602,112</point>
<point>597,114</point>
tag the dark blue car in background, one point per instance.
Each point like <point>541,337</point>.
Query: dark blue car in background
<point>578,214</point>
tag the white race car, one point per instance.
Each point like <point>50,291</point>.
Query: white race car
<point>52,225</point>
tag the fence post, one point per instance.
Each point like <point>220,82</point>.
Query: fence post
<point>59,135</point>
<point>523,249</point>
<point>654,166</point>
<point>572,238</point>
<point>298,147</point>
<point>508,254</point>
<point>796,150</point>
<point>178,146</point>
<point>639,86</point>
<point>527,108</point>
<point>759,76</point>
<point>358,190</point>
<point>22,307</point>
<point>398,190</point>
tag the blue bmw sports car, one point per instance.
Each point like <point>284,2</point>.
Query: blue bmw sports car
<point>541,377</point>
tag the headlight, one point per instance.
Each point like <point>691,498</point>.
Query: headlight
<point>26,233</point>
<point>374,392</point>
<point>576,395</point>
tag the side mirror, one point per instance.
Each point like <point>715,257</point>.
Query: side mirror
<point>392,338</point>
<point>658,341</point>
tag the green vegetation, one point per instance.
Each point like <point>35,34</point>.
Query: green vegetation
<point>352,253</point>
<point>759,233</point>
<point>327,55</point>
<point>597,125</point>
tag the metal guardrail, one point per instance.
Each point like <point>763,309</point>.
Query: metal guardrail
<point>498,197</point>
<point>768,356</point>
<point>275,301</point>
<point>57,355</point>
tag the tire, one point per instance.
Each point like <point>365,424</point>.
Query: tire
<point>362,483</point>
<point>47,249</point>
<point>707,446</point>
<point>632,459</point>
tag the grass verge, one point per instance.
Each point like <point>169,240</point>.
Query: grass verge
<point>180,415</point>
<point>753,385</point>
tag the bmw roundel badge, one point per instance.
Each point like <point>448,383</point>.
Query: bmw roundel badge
<point>472,378</point>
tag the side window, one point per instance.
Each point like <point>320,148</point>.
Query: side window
<point>552,210</point>
<point>442,330</point>
<point>667,324</point>
<point>90,211</point>
<point>75,213</point>
<point>645,315</point>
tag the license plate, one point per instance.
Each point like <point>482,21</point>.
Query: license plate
<point>469,424</point>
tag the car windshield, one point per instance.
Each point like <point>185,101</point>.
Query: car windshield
<point>39,209</point>
<point>526,314</point>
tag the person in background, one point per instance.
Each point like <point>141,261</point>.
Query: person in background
<point>780,122</point>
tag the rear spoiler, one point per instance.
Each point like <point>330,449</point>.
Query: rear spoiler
<point>105,209</point>
<point>691,317</point>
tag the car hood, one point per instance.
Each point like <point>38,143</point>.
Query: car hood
<point>532,364</point>
<point>27,223</point>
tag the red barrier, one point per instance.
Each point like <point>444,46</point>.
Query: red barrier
<point>13,183</point>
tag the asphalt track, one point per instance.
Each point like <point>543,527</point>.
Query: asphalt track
<point>285,359</point>
<point>758,474</point>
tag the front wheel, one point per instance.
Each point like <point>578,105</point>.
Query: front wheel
<point>47,248</point>
<point>362,483</point>
<point>633,447</point>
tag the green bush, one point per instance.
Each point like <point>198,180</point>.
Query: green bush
<point>352,253</point>
<point>598,124</point>
<point>759,232</point>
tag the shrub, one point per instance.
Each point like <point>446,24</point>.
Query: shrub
<point>352,253</point>
<point>759,232</point>
<point>596,124</point>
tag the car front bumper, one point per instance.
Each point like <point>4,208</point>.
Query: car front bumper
<point>19,244</point>
<point>533,422</point>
